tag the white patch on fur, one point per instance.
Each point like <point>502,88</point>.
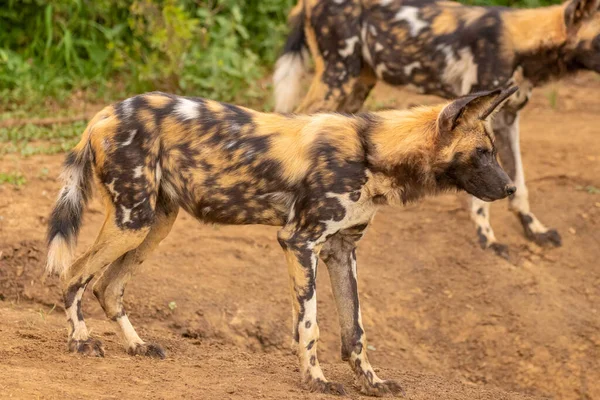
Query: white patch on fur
<point>287,78</point>
<point>461,72</point>
<point>373,30</point>
<point>169,190</point>
<point>366,52</point>
<point>158,173</point>
<point>357,212</point>
<point>378,47</point>
<point>127,107</point>
<point>385,3</point>
<point>126,215</point>
<point>411,16</point>
<point>187,109</point>
<point>408,69</point>
<point>131,336</point>
<point>348,50</point>
<point>80,331</point>
<point>111,189</point>
<point>230,144</point>
<point>130,138</point>
<point>380,69</point>
<point>138,171</point>
<point>482,221</point>
<point>138,203</point>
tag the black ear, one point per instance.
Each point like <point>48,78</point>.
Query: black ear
<point>578,11</point>
<point>478,105</point>
<point>505,94</point>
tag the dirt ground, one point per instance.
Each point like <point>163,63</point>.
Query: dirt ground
<point>444,318</point>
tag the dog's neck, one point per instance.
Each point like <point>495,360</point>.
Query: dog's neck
<point>400,151</point>
<point>540,42</point>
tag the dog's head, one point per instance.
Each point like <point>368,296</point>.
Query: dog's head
<point>466,155</point>
<point>586,49</point>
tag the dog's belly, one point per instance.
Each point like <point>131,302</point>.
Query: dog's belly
<point>238,209</point>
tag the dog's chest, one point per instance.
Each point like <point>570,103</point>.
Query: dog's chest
<point>356,208</point>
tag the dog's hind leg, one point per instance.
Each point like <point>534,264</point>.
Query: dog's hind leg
<point>112,242</point>
<point>341,81</point>
<point>506,130</point>
<point>339,253</point>
<point>110,286</point>
<point>360,91</point>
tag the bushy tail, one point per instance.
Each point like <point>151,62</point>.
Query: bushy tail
<point>290,66</point>
<point>65,220</point>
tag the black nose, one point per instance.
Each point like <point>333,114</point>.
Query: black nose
<point>510,190</point>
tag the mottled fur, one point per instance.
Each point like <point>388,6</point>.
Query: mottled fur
<point>320,177</point>
<point>441,48</point>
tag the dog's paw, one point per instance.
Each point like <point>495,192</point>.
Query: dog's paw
<point>550,238</point>
<point>379,389</point>
<point>533,231</point>
<point>318,385</point>
<point>501,250</point>
<point>147,350</point>
<point>88,347</point>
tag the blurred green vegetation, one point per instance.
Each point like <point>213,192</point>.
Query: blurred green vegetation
<point>216,48</point>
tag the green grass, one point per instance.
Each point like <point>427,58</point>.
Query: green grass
<point>31,139</point>
<point>12,178</point>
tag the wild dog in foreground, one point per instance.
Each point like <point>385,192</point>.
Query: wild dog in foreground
<point>442,48</point>
<point>320,177</point>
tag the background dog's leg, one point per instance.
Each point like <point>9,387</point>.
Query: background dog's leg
<point>360,91</point>
<point>323,95</point>
<point>110,286</point>
<point>480,214</point>
<point>302,257</point>
<point>342,81</point>
<point>506,130</point>
<point>340,256</point>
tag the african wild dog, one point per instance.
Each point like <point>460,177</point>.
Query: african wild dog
<point>320,177</point>
<point>442,48</point>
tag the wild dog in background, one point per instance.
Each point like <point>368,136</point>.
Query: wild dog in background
<point>320,177</point>
<point>442,48</point>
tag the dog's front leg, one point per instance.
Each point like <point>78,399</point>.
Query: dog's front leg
<point>339,253</point>
<point>301,252</point>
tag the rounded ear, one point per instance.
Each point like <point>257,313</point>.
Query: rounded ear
<point>478,105</point>
<point>450,115</point>
<point>578,11</point>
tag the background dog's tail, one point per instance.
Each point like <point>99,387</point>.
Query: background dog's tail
<point>65,220</point>
<point>290,66</point>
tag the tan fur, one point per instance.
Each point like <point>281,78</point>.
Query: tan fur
<point>444,23</point>
<point>532,29</point>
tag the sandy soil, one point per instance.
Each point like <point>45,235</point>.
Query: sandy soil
<point>445,318</point>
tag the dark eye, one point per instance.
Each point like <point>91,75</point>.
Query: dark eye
<point>482,151</point>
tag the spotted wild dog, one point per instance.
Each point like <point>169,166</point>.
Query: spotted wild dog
<point>441,48</point>
<point>321,177</point>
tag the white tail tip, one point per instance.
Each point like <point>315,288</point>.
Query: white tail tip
<point>60,255</point>
<point>289,71</point>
